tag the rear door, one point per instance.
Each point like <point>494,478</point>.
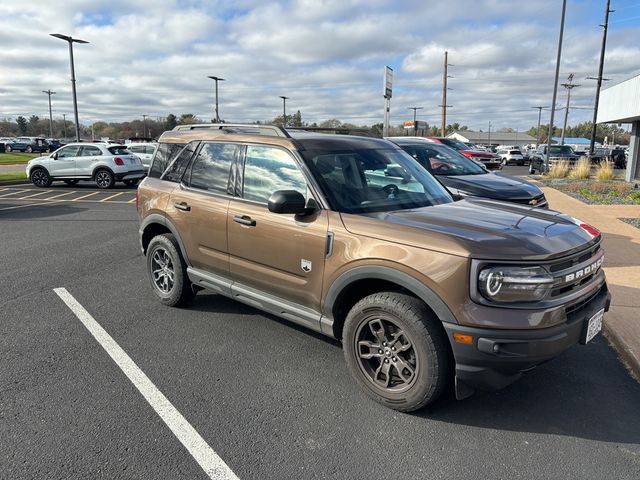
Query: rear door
<point>65,163</point>
<point>89,156</point>
<point>278,254</point>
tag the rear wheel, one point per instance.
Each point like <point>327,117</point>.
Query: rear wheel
<point>29,149</point>
<point>40,178</point>
<point>7,148</point>
<point>167,271</point>
<point>397,351</point>
<point>104,179</point>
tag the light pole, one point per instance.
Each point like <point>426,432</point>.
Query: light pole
<point>284,109</point>
<point>216,79</point>
<point>415,126</point>
<point>64,125</point>
<point>538,130</point>
<point>49,92</point>
<point>71,41</point>
<point>144,125</point>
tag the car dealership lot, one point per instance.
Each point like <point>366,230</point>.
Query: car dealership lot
<point>271,399</point>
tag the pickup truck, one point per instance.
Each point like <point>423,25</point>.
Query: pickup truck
<point>557,154</point>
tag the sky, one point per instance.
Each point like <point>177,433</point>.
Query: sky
<point>152,57</point>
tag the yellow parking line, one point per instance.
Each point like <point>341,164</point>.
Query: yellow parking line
<point>132,200</point>
<point>112,196</point>
<point>35,194</point>
<point>59,195</point>
<point>15,192</point>
<point>84,196</point>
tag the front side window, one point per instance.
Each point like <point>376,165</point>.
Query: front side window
<point>70,151</point>
<point>179,165</point>
<point>269,169</point>
<point>165,153</point>
<point>211,167</point>
<point>373,180</point>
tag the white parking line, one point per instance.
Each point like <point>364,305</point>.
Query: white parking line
<point>206,457</point>
<point>15,192</point>
<point>25,206</point>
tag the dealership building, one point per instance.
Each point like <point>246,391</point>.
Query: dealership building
<point>621,104</point>
<point>493,138</point>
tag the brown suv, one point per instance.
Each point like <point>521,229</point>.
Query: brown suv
<point>350,237</point>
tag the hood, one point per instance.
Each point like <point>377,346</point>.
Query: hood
<point>492,185</point>
<point>478,228</point>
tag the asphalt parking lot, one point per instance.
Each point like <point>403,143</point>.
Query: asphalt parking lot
<point>271,399</point>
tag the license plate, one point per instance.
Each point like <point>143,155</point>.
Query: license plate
<point>594,325</point>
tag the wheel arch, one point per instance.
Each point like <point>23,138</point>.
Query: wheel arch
<point>156,224</point>
<point>101,167</point>
<point>359,282</point>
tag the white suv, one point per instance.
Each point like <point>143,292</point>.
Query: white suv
<point>103,163</point>
<point>143,150</point>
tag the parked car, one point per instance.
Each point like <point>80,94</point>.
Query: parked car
<point>143,150</point>
<point>27,144</point>
<point>618,157</point>
<point>104,164</point>
<point>511,156</point>
<point>557,153</point>
<point>488,159</point>
<point>315,228</point>
<point>464,178</point>
<point>53,144</point>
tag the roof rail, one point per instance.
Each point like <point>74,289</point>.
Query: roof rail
<point>364,132</point>
<point>246,128</point>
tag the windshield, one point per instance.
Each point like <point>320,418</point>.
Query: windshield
<point>455,144</point>
<point>560,150</point>
<point>373,180</point>
<point>119,150</point>
<point>441,160</point>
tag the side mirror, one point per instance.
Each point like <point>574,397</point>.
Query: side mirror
<point>54,156</point>
<point>287,201</point>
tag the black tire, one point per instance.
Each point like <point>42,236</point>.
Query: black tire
<point>7,148</point>
<point>104,179</point>
<point>130,183</point>
<point>173,290</point>
<point>531,169</point>
<point>29,149</point>
<point>71,181</point>
<point>40,177</point>
<point>424,348</point>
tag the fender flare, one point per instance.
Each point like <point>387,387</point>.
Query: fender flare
<point>415,286</point>
<point>161,220</point>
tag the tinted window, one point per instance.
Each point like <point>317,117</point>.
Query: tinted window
<point>177,168</point>
<point>90,151</point>
<point>452,143</point>
<point>119,150</point>
<point>441,160</point>
<point>165,153</point>
<point>70,151</point>
<point>211,167</point>
<point>268,169</point>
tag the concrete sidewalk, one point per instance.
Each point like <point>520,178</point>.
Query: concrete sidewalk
<point>13,168</point>
<point>621,242</point>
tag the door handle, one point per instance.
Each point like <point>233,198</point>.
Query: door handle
<point>244,220</point>
<point>182,206</point>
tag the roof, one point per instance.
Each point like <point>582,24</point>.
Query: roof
<point>496,137</point>
<point>572,140</point>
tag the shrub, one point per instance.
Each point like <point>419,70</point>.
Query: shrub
<point>598,187</point>
<point>622,188</point>
<point>605,171</point>
<point>559,169</point>
<point>581,170</point>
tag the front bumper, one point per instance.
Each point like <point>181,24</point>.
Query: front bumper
<point>497,358</point>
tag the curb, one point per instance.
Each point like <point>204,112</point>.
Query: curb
<point>14,182</point>
<point>618,343</point>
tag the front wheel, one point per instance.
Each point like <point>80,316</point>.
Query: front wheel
<point>397,350</point>
<point>531,169</point>
<point>40,178</point>
<point>167,271</point>
<point>104,179</point>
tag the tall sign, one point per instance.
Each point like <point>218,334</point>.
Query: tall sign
<point>388,91</point>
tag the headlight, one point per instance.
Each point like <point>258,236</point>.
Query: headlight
<point>515,284</point>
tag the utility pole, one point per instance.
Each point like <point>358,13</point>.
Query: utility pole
<point>144,125</point>
<point>49,92</point>
<point>216,79</point>
<point>415,125</point>
<point>605,27</point>
<point>569,86</point>
<point>284,110</point>
<point>64,125</point>
<point>555,85</point>
<point>489,137</point>
<point>444,105</point>
<point>538,129</point>
<point>71,41</point>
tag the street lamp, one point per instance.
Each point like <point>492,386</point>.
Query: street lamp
<point>415,126</point>
<point>216,79</point>
<point>71,41</point>
<point>284,110</point>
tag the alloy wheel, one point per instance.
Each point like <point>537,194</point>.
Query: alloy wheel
<point>103,179</point>
<point>162,270</point>
<point>386,354</point>
<point>40,178</point>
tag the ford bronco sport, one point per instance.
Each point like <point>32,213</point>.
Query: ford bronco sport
<point>350,237</point>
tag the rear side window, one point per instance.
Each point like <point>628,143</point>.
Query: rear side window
<point>119,150</point>
<point>211,167</point>
<point>165,153</point>
<point>137,149</point>
<point>177,168</point>
<point>90,151</point>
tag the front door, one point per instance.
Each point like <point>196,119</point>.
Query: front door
<point>279,254</point>
<point>65,163</point>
